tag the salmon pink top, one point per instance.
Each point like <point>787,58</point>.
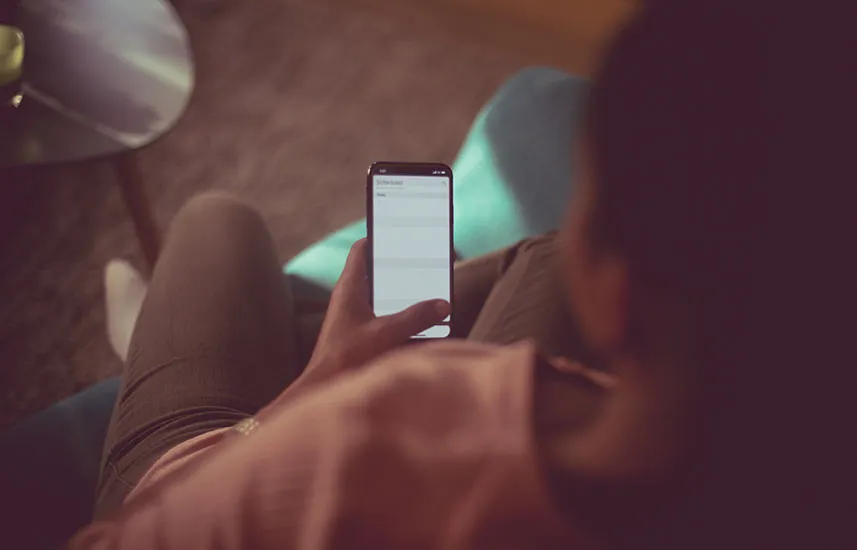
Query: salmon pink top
<point>429,447</point>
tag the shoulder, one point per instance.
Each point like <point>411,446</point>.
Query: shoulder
<point>421,428</point>
<point>441,384</point>
<point>433,386</point>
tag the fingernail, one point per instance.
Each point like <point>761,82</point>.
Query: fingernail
<point>443,308</point>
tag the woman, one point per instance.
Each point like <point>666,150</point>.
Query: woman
<point>690,259</point>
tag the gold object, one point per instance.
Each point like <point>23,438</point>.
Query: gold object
<point>246,426</point>
<point>11,65</point>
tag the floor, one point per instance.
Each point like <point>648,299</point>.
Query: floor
<point>294,100</point>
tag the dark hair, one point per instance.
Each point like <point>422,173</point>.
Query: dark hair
<point>723,142</point>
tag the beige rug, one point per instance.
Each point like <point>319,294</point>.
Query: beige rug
<point>295,98</point>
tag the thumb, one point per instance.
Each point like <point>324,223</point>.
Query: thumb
<point>389,331</point>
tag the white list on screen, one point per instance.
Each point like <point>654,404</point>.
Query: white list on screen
<point>411,251</point>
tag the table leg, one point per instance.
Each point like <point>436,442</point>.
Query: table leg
<point>134,195</point>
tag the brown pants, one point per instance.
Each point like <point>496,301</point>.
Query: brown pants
<point>221,334</point>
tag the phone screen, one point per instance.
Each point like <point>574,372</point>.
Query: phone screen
<point>410,232</point>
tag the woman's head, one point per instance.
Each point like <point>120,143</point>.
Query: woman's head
<point>709,233</point>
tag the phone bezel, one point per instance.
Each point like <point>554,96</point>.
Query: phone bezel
<point>409,169</point>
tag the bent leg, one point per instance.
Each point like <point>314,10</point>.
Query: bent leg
<point>213,344</point>
<point>528,302</point>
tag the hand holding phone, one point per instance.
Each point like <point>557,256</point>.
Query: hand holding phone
<point>409,226</point>
<point>352,335</point>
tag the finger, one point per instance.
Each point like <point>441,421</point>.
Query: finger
<point>355,264</point>
<point>352,281</point>
<point>393,330</point>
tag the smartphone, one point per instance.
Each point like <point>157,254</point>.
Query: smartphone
<point>409,227</point>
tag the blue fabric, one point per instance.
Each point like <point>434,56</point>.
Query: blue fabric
<point>512,180</point>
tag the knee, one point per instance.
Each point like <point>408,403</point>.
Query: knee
<point>218,220</point>
<point>215,210</point>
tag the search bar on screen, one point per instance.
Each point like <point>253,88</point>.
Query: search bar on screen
<point>412,182</point>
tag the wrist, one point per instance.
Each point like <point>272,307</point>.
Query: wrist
<point>299,386</point>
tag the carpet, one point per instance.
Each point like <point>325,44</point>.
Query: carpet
<point>294,100</point>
